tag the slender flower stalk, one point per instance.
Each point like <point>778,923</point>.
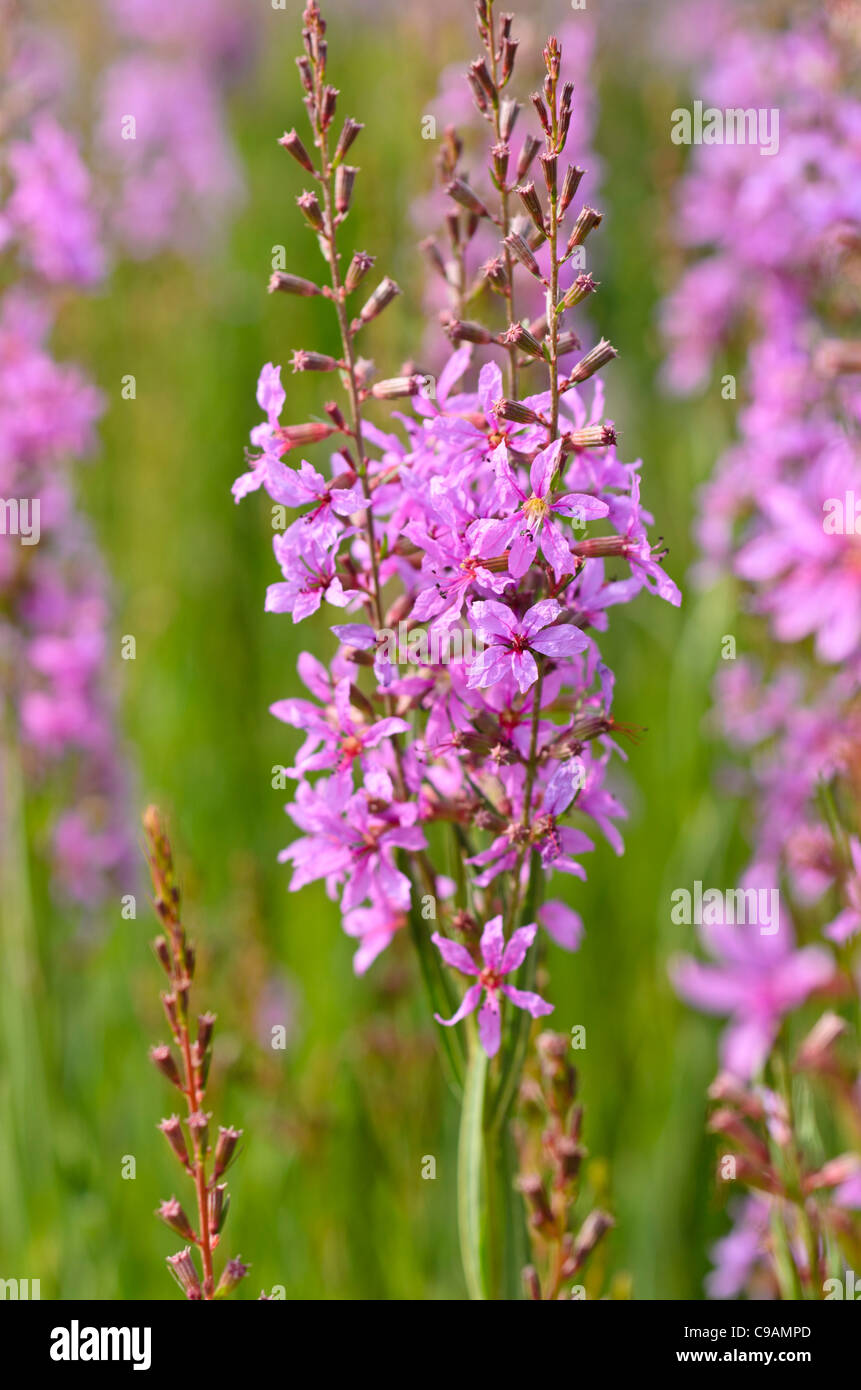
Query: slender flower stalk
<point>189,1075</point>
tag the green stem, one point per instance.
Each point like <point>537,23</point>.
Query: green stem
<point>470,1165</point>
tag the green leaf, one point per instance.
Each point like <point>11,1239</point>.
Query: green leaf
<point>470,1162</point>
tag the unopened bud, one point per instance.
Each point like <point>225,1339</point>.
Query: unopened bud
<point>173,1215</point>
<point>345,177</point>
<point>531,146</point>
<point>292,284</point>
<point>357,270</point>
<point>348,134</point>
<point>531,202</point>
<point>516,335</point>
<point>587,220</point>
<point>172,1131</point>
<point>303,361</point>
<point>600,355</point>
<point>582,286</point>
<point>518,247</point>
<point>293,145</point>
<point>383,295</point>
<point>310,207</point>
<point>162,1057</point>
<point>464,195</point>
<point>225,1145</point>
<point>570,184</point>
<point>183,1269</point>
<point>219,1203</point>
<point>234,1272</point>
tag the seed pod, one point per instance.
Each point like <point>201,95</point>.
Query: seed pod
<point>520,248</point>
<point>345,177</point>
<point>520,337</point>
<point>461,192</point>
<point>570,184</point>
<point>225,1145</point>
<point>531,146</point>
<point>303,361</point>
<point>584,285</point>
<point>600,355</point>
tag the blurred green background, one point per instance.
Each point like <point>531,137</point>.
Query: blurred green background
<point>328,1199</point>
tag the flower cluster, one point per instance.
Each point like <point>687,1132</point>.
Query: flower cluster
<point>161,138</point>
<point>779,511</point>
<point>176,955</point>
<point>499,511</point>
<point>53,593</point>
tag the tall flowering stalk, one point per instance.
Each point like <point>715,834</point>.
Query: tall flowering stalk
<point>469,531</point>
<point>205,1164</point>
<point>776,512</point>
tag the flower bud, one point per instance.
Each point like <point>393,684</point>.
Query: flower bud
<point>345,177</point>
<point>517,412</point>
<point>172,1131</point>
<point>594,1228</point>
<point>544,118</point>
<point>570,184</point>
<point>219,1203</point>
<point>303,361</point>
<point>531,1284</point>
<point>205,1025</point>
<point>348,134</point>
<point>587,220</point>
<point>520,337</point>
<point>582,286</point>
<point>162,1057</point>
<point>383,295</point>
<point>224,1148</point>
<point>464,331</point>
<point>531,146</point>
<point>310,206</point>
<point>162,951</point>
<point>298,436</point>
<point>292,284</point>
<point>530,200</point>
<point>508,113</point>
<point>592,437</point>
<point>600,355</point>
<point>461,192</point>
<point>293,145</point>
<point>198,1123</point>
<point>520,248</point>
<point>397,386</point>
<point>173,1215</point>
<point>328,104</point>
<point>357,270</point>
<point>234,1272</point>
<point>183,1269</point>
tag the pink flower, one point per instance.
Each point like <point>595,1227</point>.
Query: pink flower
<point>758,979</point>
<point>512,641</point>
<point>499,960</point>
